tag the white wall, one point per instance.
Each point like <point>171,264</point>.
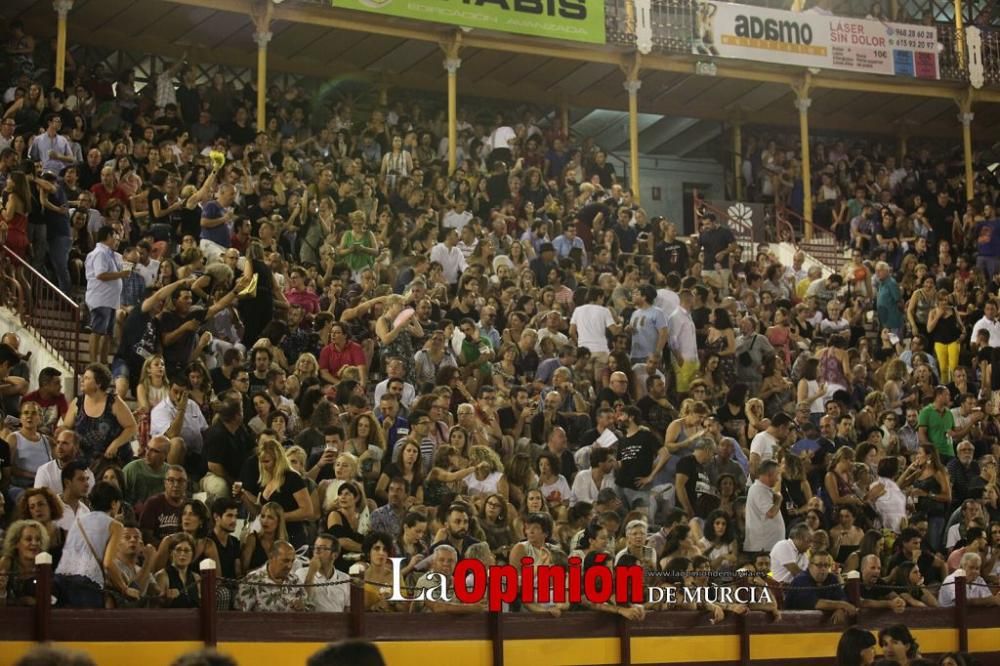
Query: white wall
<point>669,174</point>
<point>42,355</point>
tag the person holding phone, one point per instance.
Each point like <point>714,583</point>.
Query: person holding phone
<point>945,329</point>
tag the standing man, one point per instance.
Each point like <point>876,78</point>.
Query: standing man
<point>936,424</point>
<point>648,326</point>
<point>640,459</point>
<point>765,525</point>
<point>683,341</point>
<point>76,483</point>
<point>450,258</point>
<point>589,326</point>
<point>888,299</point>
<point>718,244</point>
<point>105,273</point>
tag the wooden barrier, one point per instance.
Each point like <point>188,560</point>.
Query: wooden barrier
<point>664,637</point>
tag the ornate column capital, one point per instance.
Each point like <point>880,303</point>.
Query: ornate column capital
<point>262,39</point>
<point>966,118</point>
<point>452,64</point>
<point>803,104</point>
<point>62,7</point>
<point>632,86</point>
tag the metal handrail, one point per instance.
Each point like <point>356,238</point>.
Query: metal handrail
<point>62,336</point>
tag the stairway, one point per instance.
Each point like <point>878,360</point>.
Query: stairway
<point>825,249</point>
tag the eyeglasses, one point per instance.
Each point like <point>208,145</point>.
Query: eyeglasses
<point>169,480</point>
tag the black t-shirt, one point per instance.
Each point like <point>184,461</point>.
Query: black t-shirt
<point>178,354</point>
<point>697,478</point>
<point>140,337</point>
<point>231,450</point>
<point>285,496</point>
<point>733,425</point>
<point>220,382</point>
<point>229,554</point>
<point>671,257</point>
<point>636,455</point>
<point>654,415</point>
<point>715,241</point>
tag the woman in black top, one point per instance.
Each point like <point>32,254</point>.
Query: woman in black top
<point>946,330</point>
<point>343,523</point>
<point>257,308</point>
<point>269,477</point>
<point>177,580</point>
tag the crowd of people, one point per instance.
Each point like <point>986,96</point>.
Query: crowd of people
<point>313,349</point>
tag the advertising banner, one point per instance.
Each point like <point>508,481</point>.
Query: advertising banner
<point>815,40</point>
<point>573,20</point>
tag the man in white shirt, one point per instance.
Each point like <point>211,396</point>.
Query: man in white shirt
<point>75,486</point>
<point>589,482</point>
<point>765,526</point>
<point>989,323</point>
<point>178,418</point>
<point>789,556</point>
<point>683,343</point>
<point>976,591</point>
<point>51,148</point>
<point>326,598</point>
<point>147,268</point>
<point>449,256</point>
<point>590,325</point>
<point>395,371</point>
<point>65,451</point>
<point>766,442</point>
<point>457,217</point>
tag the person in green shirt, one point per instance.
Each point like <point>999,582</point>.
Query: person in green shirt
<point>144,476</point>
<point>936,423</point>
<point>477,351</point>
<point>358,246</point>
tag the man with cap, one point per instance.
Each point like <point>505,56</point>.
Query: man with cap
<point>543,263</point>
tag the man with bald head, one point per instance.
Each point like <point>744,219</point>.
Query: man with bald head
<point>874,594</point>
<point>274,587</point>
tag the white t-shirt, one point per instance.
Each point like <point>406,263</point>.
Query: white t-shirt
<point>191,428</point>
<point>763,445</point>
<point>785,552</point>
<point>501,137</point>
<point>148,273</point>
<point>49,476</point>
<point>592,323</point>
<point>456,220</point>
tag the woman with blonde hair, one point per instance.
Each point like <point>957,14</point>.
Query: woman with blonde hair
<point>306,366</point>
<point>257,544</point>
<point>22,543</point>
<point>488,478</point>
<point>276,481</point>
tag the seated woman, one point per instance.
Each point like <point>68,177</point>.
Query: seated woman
<point>179,582</point>
<point>343,523</point>
<point>195,523</point>
<point>407,465</point>
<point>377,550</point>
<point>411,543</point>
<point>635,545</point>
<point>553,485</point>
<point>257,544</point>
<point>42,505</point>
<point>24,540</point>
<point>489,477</point>
<point>346,469</point>
<point>907,575</point>
<point>269,477</point>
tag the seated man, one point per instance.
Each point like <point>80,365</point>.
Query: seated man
<point>280,589</point>
<point>976,591</point>
<point>130,580</point>
<point>440,577</point>
<point>341,352</point>
<point>144,476</point>
<point>820,589</point>
<point>180,420</point>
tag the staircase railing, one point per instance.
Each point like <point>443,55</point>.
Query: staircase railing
<point>781,231</point>
<point>43,306</point>
<point>823,245</point>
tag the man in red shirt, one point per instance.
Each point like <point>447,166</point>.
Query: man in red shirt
<point>50,398</point>
<point>339,353</point>
<point>108,189</point>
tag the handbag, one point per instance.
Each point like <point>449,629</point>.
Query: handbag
<point>251,289</point>
<point>745,358</point>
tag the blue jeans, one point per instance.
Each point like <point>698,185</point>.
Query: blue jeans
<point>59,250</point>
<point>78,592</point>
